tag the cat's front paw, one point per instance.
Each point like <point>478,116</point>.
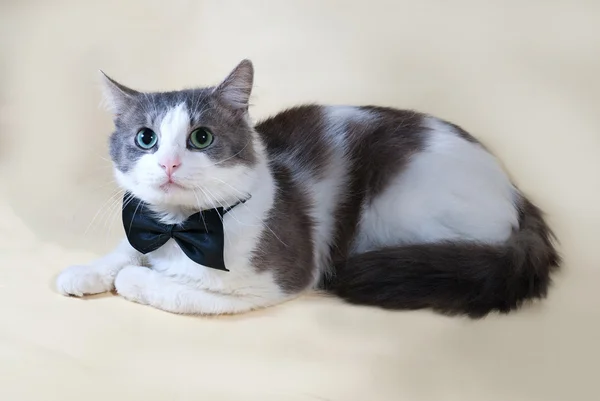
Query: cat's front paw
<point>133,283</point>
<point>83,280</point>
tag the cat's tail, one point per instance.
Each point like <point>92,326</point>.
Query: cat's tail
<point>454,278</point>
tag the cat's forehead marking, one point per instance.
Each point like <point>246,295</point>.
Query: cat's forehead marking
<point>174,124</point>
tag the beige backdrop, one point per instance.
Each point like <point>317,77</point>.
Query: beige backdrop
<point>521,75</point>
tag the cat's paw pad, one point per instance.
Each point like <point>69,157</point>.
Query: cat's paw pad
<point>132,283</point>
<point>82,280</point>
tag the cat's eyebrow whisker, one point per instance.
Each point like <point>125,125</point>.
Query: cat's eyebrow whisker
<point>151,103</point>
<point>205,107</point>
<point>196,104</point>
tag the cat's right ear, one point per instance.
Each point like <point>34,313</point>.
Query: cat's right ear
<point>117,97</point>
<point>236,88</point>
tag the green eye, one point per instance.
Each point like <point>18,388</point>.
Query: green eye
<point>146,138</point>
<point>201,138</point>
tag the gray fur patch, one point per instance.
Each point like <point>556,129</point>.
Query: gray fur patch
<point>297,136</point>
<point>286,247</point>
<point>233,136</point>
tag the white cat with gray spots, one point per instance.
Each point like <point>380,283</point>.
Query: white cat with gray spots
<point>379,206</point>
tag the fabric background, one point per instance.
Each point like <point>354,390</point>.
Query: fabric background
<point>520,75</point>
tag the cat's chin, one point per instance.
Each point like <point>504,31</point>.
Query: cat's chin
<point>172,201</point>
<point>168,194</point>
<point>171,187</point>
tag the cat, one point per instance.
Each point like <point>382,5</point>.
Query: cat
<point>381,207</point>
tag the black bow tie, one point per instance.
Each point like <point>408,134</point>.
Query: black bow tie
<point>200,237</point>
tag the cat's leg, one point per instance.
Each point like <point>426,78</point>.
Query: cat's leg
<point>98,276</point>
<point>149,287</point>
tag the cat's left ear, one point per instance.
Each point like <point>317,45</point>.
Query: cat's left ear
<point>235,90</point>
<point>117,97</point>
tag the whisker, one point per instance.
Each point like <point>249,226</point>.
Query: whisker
<point>215,207</point>
<point>134,212</point>
<point>244,195</point>
<point>199,207</point>
<point>128,200</point>
<point>105,204</point>
<point>212,202</point>
<point>111,218</point>
<point>262,223</point>
<point>230,212</point>
<point>231,157</point>
<point>111,182</point>
<point>109,215</point>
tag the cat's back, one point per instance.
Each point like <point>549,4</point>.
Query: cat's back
<point>312,136</point>
<point>298,137</point>
<point>379,176</point>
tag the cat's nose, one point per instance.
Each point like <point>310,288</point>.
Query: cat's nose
<point>170,165</point>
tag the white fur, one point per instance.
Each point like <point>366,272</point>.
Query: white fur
<point>149,287</point>
<point>453,190</point>
<point>173,132</point>
<point>175,283</point>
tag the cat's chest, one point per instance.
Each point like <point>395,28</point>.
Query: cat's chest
<point>239,243</point>
<point>170,259</point>
<point>242,232</point>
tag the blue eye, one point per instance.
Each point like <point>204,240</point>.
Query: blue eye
<point>146,138</point>
<point>201,138</point>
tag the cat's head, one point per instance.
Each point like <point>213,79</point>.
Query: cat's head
<point>193,148</point>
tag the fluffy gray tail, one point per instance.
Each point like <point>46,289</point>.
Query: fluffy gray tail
<point>454,278</point>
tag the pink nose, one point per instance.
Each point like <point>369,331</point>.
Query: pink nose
<point>170,166</point>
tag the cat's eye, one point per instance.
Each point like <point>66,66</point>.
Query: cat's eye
<point>201,138</point>
<point>146,138</point>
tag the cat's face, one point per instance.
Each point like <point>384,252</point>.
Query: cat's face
<point>192,148</point>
